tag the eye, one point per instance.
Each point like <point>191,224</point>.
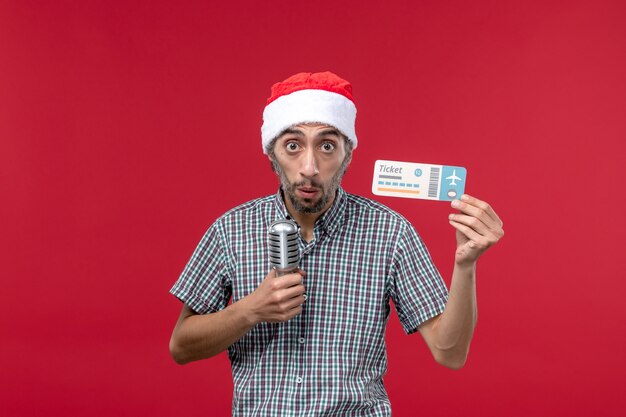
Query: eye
<point>292,146</point>
<point>328,146</point>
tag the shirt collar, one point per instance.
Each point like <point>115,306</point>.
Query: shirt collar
<point>329,221</point>
<point>281,209</point>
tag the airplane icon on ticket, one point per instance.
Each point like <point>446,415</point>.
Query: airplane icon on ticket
<point>453,177</point>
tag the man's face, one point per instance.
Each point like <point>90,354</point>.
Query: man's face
<point>310,160</point>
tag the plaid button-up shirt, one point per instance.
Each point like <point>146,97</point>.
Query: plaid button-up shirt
<point>329,360</point>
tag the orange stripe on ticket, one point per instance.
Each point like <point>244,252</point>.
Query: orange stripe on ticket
<point>395,190</point>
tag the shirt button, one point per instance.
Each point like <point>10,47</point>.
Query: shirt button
<point>301,340</point>
<point>305,297</point>
<point>298,380</point>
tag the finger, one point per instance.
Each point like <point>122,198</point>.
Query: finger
<point>291,292</point>
<point>294,303</point>
<point>489,210</point>
<point>283,315</point>
<point>289,280</point>
<point>477,208</point>
<point>472,205</point>
<point>476,240</point>
<point>289,308</point>
<point>294,312</point>
<point>297,275</point>
<point>473,222</point>
<point>467,210</point>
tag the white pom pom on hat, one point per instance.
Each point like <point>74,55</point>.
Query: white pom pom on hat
<point>320,97</point>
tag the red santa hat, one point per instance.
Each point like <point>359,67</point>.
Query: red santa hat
<point>307,97</point>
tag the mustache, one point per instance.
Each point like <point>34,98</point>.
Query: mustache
<point>307,184</point>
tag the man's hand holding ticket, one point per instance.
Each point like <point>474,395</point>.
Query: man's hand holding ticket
<point>478,226</point>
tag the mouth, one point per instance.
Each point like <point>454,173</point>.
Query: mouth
<point>307,192</point>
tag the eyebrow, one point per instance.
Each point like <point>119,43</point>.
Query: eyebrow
<point>330,131</point>
<point>325,132</point>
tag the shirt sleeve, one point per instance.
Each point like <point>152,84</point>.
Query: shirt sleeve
<point>204,284</point>
<point>417,289</point>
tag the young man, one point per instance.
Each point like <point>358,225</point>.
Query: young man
<point>312,342</point>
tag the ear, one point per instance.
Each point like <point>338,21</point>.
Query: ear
<point>349,156</point>
<point>272,164</point>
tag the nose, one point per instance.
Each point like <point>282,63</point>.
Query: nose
<point>308,167</point>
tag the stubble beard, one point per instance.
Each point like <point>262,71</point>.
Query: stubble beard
<point>309,205</point>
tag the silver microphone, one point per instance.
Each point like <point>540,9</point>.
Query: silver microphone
<point>283,246</point>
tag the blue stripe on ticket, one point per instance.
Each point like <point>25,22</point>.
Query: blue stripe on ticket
<point>418,180</point>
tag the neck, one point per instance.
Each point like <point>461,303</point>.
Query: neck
<point>306,221</point>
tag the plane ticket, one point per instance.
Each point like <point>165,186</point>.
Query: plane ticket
<point>416,180</point>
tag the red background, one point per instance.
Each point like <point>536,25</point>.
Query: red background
<point>127,127</point>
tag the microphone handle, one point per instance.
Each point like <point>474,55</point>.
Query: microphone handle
<point>281,272</point>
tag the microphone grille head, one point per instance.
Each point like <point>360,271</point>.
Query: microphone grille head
<point>283,245</point>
